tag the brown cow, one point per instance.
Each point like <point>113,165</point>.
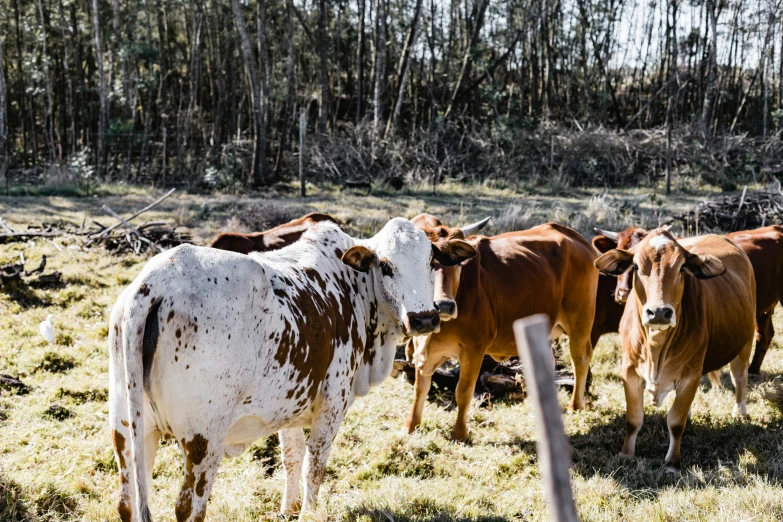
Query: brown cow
<point>764,248</point>
<point>547,269</point>
<point>612,290</point>
<point>272,239</point>
<point>691,311</point>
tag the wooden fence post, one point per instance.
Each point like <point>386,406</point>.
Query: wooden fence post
<point>554,455</point>
<point>302,151</point>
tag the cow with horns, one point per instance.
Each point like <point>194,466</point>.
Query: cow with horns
<point>218,349</point>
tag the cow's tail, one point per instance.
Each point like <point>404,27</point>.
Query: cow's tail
<point>135,318</point>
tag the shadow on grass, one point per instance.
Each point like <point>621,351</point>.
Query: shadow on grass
<point>716,449</point>
<point>24,296</point>
<point>13,507</point>
<point>419,510</point>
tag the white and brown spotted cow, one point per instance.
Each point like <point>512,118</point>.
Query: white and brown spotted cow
<point>219,349</point>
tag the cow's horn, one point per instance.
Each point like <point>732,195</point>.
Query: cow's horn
<point>667,228</point>
<point>474,228</point>
<point>606,233</point>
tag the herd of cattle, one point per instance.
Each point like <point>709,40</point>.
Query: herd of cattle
<point>278,330</point>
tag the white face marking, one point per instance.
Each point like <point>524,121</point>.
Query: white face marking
<point>659,241</point>
<point>407,284</point>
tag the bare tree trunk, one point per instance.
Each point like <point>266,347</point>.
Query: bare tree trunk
<point>119,55</point>
<point>50,141</point>
<point>4,148</point>
<point>263,77</point>
<point>467,61</point>
<point>257,171</point>
<point>288,109</point>
<point>713,68</point>
<point>403,68</point>
<point>323,73</point>
<point>104,115</point>
<point>673,93</point>
<point>360,64</point>
<point>380,53</point>
<point>67,44</point>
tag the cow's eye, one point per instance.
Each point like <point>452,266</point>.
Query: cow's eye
<point>386,269</point>
<point>635,267</point>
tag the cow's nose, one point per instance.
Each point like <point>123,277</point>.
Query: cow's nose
<point>659,316</point>
<point>447,308</point>
<point>422,323</point>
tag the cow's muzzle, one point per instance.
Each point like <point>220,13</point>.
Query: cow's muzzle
<point>447,309</point>
<point>659,318</point>
<point>422,323</point>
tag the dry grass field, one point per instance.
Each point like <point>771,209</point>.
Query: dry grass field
<point>56,461</point>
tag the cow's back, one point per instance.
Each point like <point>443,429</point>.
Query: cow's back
<point>764,248</point>
<point>729,300</point>
<point>546,269</point>
<point>275,238</point>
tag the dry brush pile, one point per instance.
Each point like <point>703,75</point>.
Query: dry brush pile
<point>549,155</point>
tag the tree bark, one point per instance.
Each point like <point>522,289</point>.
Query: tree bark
<point>360,64</point>
<point>67,44</point>
<point>673,93</point>
<point>119,55</point>
<point>467,61</point>
<point>257,171</point>
<point>288,109</point>
<point>709,91</point>
<point>323,73</point>
<point>263,78</point>
<point>380,53</point>
<point>403,67</point>
<point>4,148</point>
<point>104,115</point>
<point>50,141</point>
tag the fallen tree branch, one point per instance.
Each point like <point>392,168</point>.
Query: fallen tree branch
<point>134,216</point>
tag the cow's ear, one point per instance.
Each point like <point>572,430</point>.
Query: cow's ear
<point>614,262</point>
<point>453,252</point>
<point>360,258</point>
<point>704,266</point>
<point>604,244</point>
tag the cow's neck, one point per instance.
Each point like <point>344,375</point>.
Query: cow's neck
<point>382,335</point>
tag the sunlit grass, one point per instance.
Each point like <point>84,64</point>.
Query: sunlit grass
<point>54,469</point>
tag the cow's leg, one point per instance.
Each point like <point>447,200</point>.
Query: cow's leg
<point>292,448</point>
<point>581,353</point>
<point>469,368</point>
<point>739,376</point>
<point>422,389</point>
<point>634,408</point>
<point>322,435</point>
<point>714,378</point>
<point>119,424</point>
<point>764,333</point>
<point>202,456</point>
<point>120,437</point>
<point>677,418</point>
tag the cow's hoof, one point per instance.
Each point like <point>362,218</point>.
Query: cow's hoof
<point>459,436</point>
<point>672,467</point>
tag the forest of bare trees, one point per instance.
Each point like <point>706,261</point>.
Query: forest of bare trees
<point>210,93</point>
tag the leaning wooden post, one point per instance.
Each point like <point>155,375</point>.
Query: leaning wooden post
<point>302,151</point>
<point>554,455</point>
